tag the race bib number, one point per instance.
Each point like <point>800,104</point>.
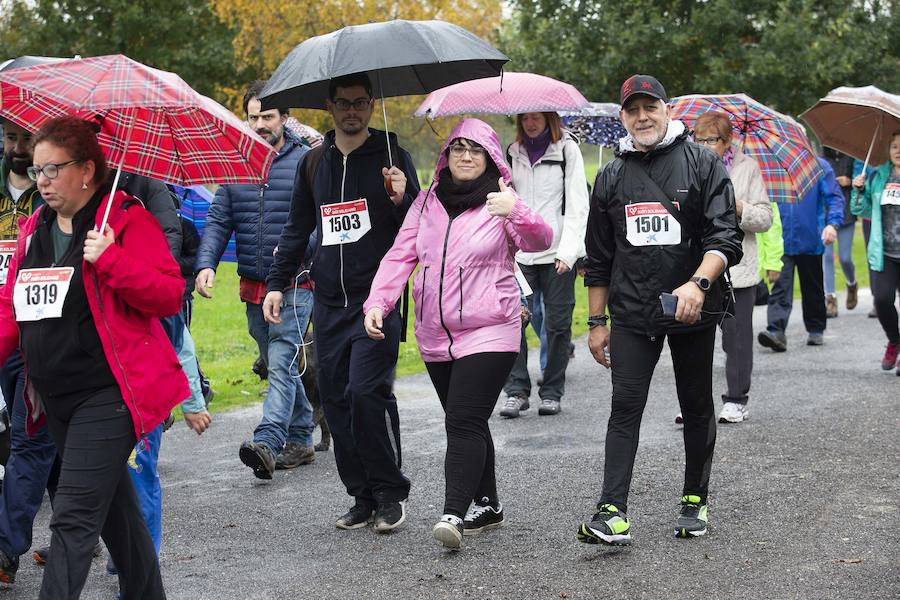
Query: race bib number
<point>40,293</point>
<point>650,224</point>
<point>7,249</point>
<point>891,194</point>
<point>345,222</point>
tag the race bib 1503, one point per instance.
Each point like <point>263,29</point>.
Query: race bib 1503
<point>7,249</point>
<point>650,224</point>
<point>40,293</point>
<point>345,222</point>
<point>891,194</point>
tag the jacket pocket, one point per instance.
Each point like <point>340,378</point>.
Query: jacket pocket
<point>479,300</point>
<point>419,294</point>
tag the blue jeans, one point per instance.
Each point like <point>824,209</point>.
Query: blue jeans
<point>145,477</point>
<point>29,470</point>
<point>845,255</point>
<point>287,413</point>
<point>537,322</point>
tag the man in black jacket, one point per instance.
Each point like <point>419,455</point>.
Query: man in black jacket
<point>662,222</point>
<point>347,191</point>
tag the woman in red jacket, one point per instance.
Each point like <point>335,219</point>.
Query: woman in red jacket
<point>84,308</point>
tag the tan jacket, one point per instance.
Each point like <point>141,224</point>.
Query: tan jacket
<point>756,217</point>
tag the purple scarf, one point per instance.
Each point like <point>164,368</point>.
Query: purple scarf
<point>728,158</point>
<point>538,146</point>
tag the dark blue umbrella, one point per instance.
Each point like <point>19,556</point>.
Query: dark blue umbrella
<point>598,125</point>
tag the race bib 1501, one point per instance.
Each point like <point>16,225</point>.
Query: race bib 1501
<point>650,224</point>
<point>345,222</point>
<point>40,293</point>
<point>7,249</point>
<point>891,194</point>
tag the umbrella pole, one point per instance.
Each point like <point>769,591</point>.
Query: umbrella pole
<point>115,185</point>
<point>872,144</point>
<point>384,113</point>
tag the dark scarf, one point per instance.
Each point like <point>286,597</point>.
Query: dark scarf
<point>536,147</point>
<point>458,198</point>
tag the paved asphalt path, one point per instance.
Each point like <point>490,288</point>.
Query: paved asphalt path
<point>805,499</point>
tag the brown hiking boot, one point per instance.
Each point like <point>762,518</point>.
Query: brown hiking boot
<point>831,307</point>
<point>852,296</point>
<point>293,455</point>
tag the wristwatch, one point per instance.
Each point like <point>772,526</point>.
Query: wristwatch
<point>702,282</point>
<point>597,321</point>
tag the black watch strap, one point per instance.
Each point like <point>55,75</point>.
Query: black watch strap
<point>597,321</point>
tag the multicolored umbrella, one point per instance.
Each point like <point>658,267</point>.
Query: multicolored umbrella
<point>777,142</point>
<point>598,124</point>
<point>858,121</point>
<point>151,122</point>
<point>509,94</point>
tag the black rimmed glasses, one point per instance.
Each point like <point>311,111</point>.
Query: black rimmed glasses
<point>50,170</point>
<point>475,152</point>
<point>359,105</point>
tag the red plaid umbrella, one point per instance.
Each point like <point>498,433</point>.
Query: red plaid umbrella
<point>777,142</point>
<point>151,122</point>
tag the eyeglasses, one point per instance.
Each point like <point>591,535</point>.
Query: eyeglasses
<point>458,150</point>
<point>50,170</point>
<point>358,105</point>
<point>708,141</point>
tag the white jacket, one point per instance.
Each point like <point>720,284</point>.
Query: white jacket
<point>541,187</point>
<point>756,216</point>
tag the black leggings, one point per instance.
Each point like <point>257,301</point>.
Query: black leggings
<point>885,286</point>
<point>634,357</point>
<point>468,388</point>
<point>94,434</point>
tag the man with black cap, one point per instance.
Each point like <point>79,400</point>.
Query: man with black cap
<point>661,231</point>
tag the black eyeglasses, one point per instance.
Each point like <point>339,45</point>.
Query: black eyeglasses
<point>358,105</point>
<point>708,141</point>
<point>459,150</point>
<point>50,170</point>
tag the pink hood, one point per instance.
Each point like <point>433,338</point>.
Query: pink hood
<point>466,296</point>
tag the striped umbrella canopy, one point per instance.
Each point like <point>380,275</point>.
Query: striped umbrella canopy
<point>777,142</point>
<point>151,122</point>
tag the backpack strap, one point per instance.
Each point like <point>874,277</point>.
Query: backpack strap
<point>311,165</point>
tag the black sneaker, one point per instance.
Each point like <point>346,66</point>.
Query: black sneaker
<point>482,516</point>
<point>259,458</point>
<point>293,455</point>
<point>608,526</point>
<point>449,531</point>
<point>549,407</point>
<point>356,518</point>
<point>8,567</point>
<point>390,516</point>
<point>693,519</point>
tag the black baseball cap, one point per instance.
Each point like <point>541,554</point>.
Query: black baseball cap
<point>642,84</point>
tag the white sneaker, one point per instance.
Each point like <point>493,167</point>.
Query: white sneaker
<point>732,412</point>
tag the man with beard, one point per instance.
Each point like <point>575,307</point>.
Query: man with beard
<point>661,231</point>
<point>31,458</point>
<point>256,215</point>
<point>351,192</point>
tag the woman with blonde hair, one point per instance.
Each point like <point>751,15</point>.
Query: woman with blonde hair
<point>754,212</point>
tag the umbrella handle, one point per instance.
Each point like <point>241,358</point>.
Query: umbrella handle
<point>384,113</point>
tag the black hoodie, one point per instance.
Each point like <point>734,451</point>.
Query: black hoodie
<point>343,273</point>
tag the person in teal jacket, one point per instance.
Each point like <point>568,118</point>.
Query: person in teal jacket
<point>877,196</point>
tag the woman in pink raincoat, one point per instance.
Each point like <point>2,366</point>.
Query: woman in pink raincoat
<point>463,234</point>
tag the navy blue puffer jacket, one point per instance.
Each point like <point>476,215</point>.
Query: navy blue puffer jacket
<point>256,214</point>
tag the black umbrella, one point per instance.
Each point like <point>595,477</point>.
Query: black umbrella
<point>28,61</point>
<point>402,58</point>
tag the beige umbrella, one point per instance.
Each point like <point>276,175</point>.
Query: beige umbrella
<point>857,121</point>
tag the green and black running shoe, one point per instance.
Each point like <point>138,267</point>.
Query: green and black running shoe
<point>608,526</point>
<point>693,519</point>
